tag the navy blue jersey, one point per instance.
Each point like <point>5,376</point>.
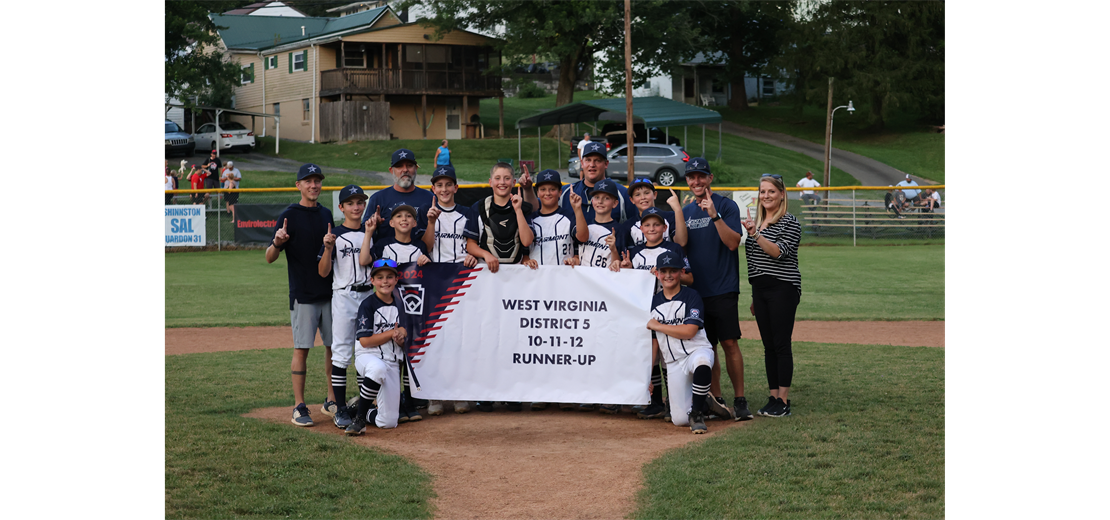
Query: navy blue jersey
<point>374,317</point>
<point>449,243</point>
<point>400,252</point>
<point>390,198</point>
<point>717,267</point>
<point>306,228</point>
<point>686,308</point>
<point>625,208</point>
<point>554,233</point>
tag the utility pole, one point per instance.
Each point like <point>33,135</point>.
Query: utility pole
<point>828,140</point>
<point>628,91</point>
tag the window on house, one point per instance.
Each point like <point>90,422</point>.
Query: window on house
<point>277,109</point>
<point>247,74</point>
<point>768,87</point>
<point>307,105</point>
<point>354,58</point>
<point>271,62</point>
<point>298,61</point>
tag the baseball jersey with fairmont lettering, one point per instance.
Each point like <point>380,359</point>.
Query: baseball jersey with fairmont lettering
<point>554,233</point>
<point>375,317</point>
<point>400,252</point>
<point>595,252</point>
<point>449,245</point>
<point>346,271</point>
<point>685,308</point>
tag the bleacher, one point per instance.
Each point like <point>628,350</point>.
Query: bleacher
<point>870,218</point>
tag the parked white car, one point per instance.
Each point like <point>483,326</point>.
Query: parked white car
<point>232,135</point>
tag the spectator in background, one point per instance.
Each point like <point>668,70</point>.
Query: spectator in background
<point>213,166</point>
<point>582,144</point>
<point>443,155</point>
<point>170,182</point>
<point>810,195</point>
<point>231,178</point>
<point>912,196</point>
<point>196,182</point>
<point>894,200</point>
<point>930,201</point>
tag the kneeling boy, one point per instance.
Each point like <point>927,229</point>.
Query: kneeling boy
<point>677,320</point>
<point>381,339</point>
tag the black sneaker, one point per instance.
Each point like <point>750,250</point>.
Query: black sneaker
<point>740,405</point>
<point>610,409</point>
<point>697,422</point>
<point>513,406</point>
<point>654,411</point>
<point>587,407</point>
<point>717,407</point>
<point>342,418</point>
<point>357,427</point>
<point>779,409</point>
<point>667,413</point>
<point>770,401</point>
<point>484,406</point>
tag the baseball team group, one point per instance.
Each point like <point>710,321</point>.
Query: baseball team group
<point>342,279</point>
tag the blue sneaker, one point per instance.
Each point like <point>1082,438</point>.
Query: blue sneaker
<point>342,418</point>
<point>300,416</point>
<point>329,408</point>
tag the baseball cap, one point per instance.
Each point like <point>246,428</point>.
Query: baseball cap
<point>402,154</point>
<point>642,181</point>
<point>605,186</point>
<point>308,170</point>
<point>697,165</point>
<point>593,148</point>
<point>548,177</point>
<point>351,190</point>
<point>652,212</point>
<point>403,207</point>
<point>229,163</point>
<point>444,171</point>
<point>383,264</point>
<point>669,260</point>
<point>908,177</point>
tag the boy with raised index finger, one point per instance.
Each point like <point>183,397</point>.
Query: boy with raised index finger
<point>380,353</point>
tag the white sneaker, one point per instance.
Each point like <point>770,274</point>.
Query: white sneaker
<point>462,406</point>
<point>435,407</point>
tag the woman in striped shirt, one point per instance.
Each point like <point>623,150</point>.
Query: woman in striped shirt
<point>772,253</point>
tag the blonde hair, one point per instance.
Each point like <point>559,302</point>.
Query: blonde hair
<point>761,212</point>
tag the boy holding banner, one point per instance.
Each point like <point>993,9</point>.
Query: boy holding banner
<point>600,248</point>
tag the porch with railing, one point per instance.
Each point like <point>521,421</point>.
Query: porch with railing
<point>401,81</point>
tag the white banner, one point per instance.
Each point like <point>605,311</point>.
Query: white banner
<point>185,225</point>
<point>748,202</point>
<point>556,334</point>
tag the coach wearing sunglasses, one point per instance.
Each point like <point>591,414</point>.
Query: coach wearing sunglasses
<point>714,231</point>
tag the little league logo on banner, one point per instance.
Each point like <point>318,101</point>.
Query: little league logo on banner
<point>185,225</point>
<point>570,335</point>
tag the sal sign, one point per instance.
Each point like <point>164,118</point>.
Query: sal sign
<point>185,226</point>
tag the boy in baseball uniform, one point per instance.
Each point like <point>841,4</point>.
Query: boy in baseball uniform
<point>380,352</point>
<point>643,196</point>
<point>445,240</point>
<point>350,286</point>
<point>599,250</point>
<point>677,321</point>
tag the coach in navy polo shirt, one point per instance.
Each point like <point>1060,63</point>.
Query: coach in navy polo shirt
<point>404,191</point>
<point>593,165</point>
<point>300,234</point>
<point>714,227</point>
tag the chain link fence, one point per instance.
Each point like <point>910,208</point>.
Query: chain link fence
<point>855,215</point>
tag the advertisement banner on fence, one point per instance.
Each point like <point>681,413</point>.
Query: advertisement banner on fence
<point>256,222</point>
<point>185,225</point>
<point>556,334</point>
<point>748,202</point>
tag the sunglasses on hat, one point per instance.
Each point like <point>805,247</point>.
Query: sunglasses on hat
<point>384,262</point>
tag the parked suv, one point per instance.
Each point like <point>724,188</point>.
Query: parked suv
<point>177,141</point>
<point>232,135</point>
<point>659,162</point>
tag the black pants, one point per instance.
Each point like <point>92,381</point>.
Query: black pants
<point>775,303</point>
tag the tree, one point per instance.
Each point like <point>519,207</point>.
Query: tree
<point>743,36</point>
<point>887,54</point>
<point>664,35</point>
<point>566,30</point>
<point>195,67</point>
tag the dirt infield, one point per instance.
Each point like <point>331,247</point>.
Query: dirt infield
<point>549,464</point>
<point>901,333</point>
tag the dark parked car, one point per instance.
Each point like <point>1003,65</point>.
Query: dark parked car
<point>659,162</point>
<point>177,141</point>
<point>615,134</point>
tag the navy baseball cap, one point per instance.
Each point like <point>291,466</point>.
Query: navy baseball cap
<point>308,170</point>
<point>605,186</point>
<point>403,207</point>
<point>549,177</point>
<point>697,165</point>
<point>669,260</point>
<point>350,191</point>
<point>444,171</point>
<point>403,154</point>
<point>593,148</point>
<point>642,181</point>
<point>652,212</point>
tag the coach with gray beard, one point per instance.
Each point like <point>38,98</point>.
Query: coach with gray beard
<point>403,192</point>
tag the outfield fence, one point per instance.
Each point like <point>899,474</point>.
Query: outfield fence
<point>855,215</point>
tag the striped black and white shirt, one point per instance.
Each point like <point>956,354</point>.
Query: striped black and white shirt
<point>786,234</point>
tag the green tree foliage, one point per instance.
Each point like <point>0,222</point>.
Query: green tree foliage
<point>566,30</point>
<point>888,55</point>
<point>195,67</point>
<point>664,35</point>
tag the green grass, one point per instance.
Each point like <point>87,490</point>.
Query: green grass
<point>238,288</point>
<point>866,440</point>
<point>904,144</point>
<point>221,465</point>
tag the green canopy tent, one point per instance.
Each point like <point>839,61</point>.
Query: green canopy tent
<point>651,111</point>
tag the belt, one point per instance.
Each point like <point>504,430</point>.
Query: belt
<point>362,288</point>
